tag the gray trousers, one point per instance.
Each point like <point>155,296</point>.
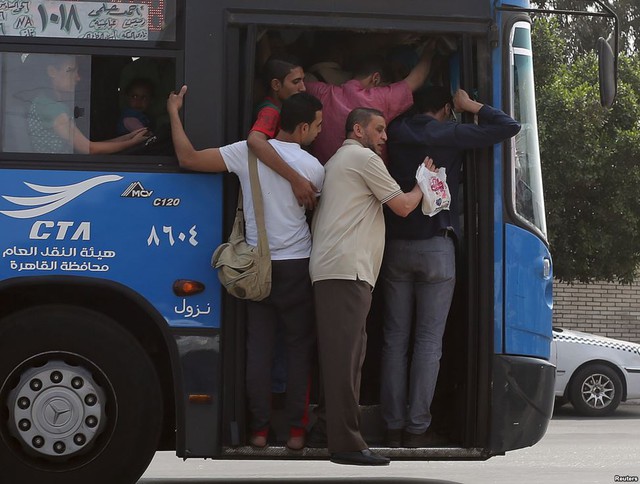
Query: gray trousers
<point>290,304</point>
<point>341,314</point>
<point>418,279</point>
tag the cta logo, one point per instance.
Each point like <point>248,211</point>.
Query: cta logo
<point>136,190</point>
<point>43,229</point>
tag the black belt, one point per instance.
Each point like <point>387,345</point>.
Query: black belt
<point>445,233</point>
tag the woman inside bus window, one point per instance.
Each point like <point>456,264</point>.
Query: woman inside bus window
<point>51,121</point>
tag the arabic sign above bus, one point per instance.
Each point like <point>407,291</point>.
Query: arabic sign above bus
<point>75,19</point>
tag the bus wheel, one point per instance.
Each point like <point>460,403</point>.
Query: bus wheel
<point>80,400</point>
<point>595,390</point>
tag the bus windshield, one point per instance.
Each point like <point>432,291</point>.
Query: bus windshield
<point>527,195</point>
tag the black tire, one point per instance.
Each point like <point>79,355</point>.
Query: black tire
<point>80,401</point>
<point>560,402</point>
<point>595,390</point>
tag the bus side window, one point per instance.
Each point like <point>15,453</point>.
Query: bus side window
<point>16,93</point>
<point>161,72</point>
<point>36,93</point>
<point>105,79</point>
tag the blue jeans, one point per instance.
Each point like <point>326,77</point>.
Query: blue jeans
<point>418,279</point>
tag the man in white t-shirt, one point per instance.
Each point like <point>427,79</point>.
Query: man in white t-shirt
<point>291,301</point>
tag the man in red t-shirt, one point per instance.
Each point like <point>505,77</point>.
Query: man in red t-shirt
<point>282,78</point>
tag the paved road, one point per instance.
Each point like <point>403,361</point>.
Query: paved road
<point>574,451</point>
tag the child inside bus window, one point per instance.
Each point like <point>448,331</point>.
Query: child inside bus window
<point>138,96</point>
<point>51,118</point>
<point>161,72</point>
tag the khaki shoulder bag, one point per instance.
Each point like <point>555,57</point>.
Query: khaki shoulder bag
<point>244,270</point>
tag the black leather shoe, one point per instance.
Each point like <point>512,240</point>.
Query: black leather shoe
<point>360,458</point>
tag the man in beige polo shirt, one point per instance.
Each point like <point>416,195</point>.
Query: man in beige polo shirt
<point>348,242</point>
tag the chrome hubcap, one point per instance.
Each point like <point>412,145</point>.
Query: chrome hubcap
<point>57,410</point>
<point>598,390</point>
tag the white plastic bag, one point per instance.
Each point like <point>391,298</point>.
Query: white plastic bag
<point>435,190</point>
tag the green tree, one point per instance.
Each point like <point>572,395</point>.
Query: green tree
<point>581,32</point>
<point>591,160</point>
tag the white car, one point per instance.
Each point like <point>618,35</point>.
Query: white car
<point>594,373</point>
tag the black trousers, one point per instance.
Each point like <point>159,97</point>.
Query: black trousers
<point>291,305</point>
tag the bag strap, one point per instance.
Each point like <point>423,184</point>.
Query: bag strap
<point>258,208</point>
<point>239,220</point>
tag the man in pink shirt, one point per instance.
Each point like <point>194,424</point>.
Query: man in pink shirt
<point>364,90</point>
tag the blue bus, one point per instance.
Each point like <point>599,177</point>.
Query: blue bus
<point>116,339</point>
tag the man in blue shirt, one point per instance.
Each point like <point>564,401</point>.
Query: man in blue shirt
<point>418,271</point>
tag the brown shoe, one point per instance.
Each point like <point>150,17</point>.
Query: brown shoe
<point>296,438</point>
<point>258,439</point>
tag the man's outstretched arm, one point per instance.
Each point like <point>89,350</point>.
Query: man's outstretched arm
<point>208,159</point>
<point>418,75</point>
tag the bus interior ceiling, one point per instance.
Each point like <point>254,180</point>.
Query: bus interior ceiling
<point>454,401</point>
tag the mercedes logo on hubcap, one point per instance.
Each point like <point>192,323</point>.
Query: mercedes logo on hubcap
<point>57,412</point>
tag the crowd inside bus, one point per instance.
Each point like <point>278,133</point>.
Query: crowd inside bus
<point>370,131</point>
